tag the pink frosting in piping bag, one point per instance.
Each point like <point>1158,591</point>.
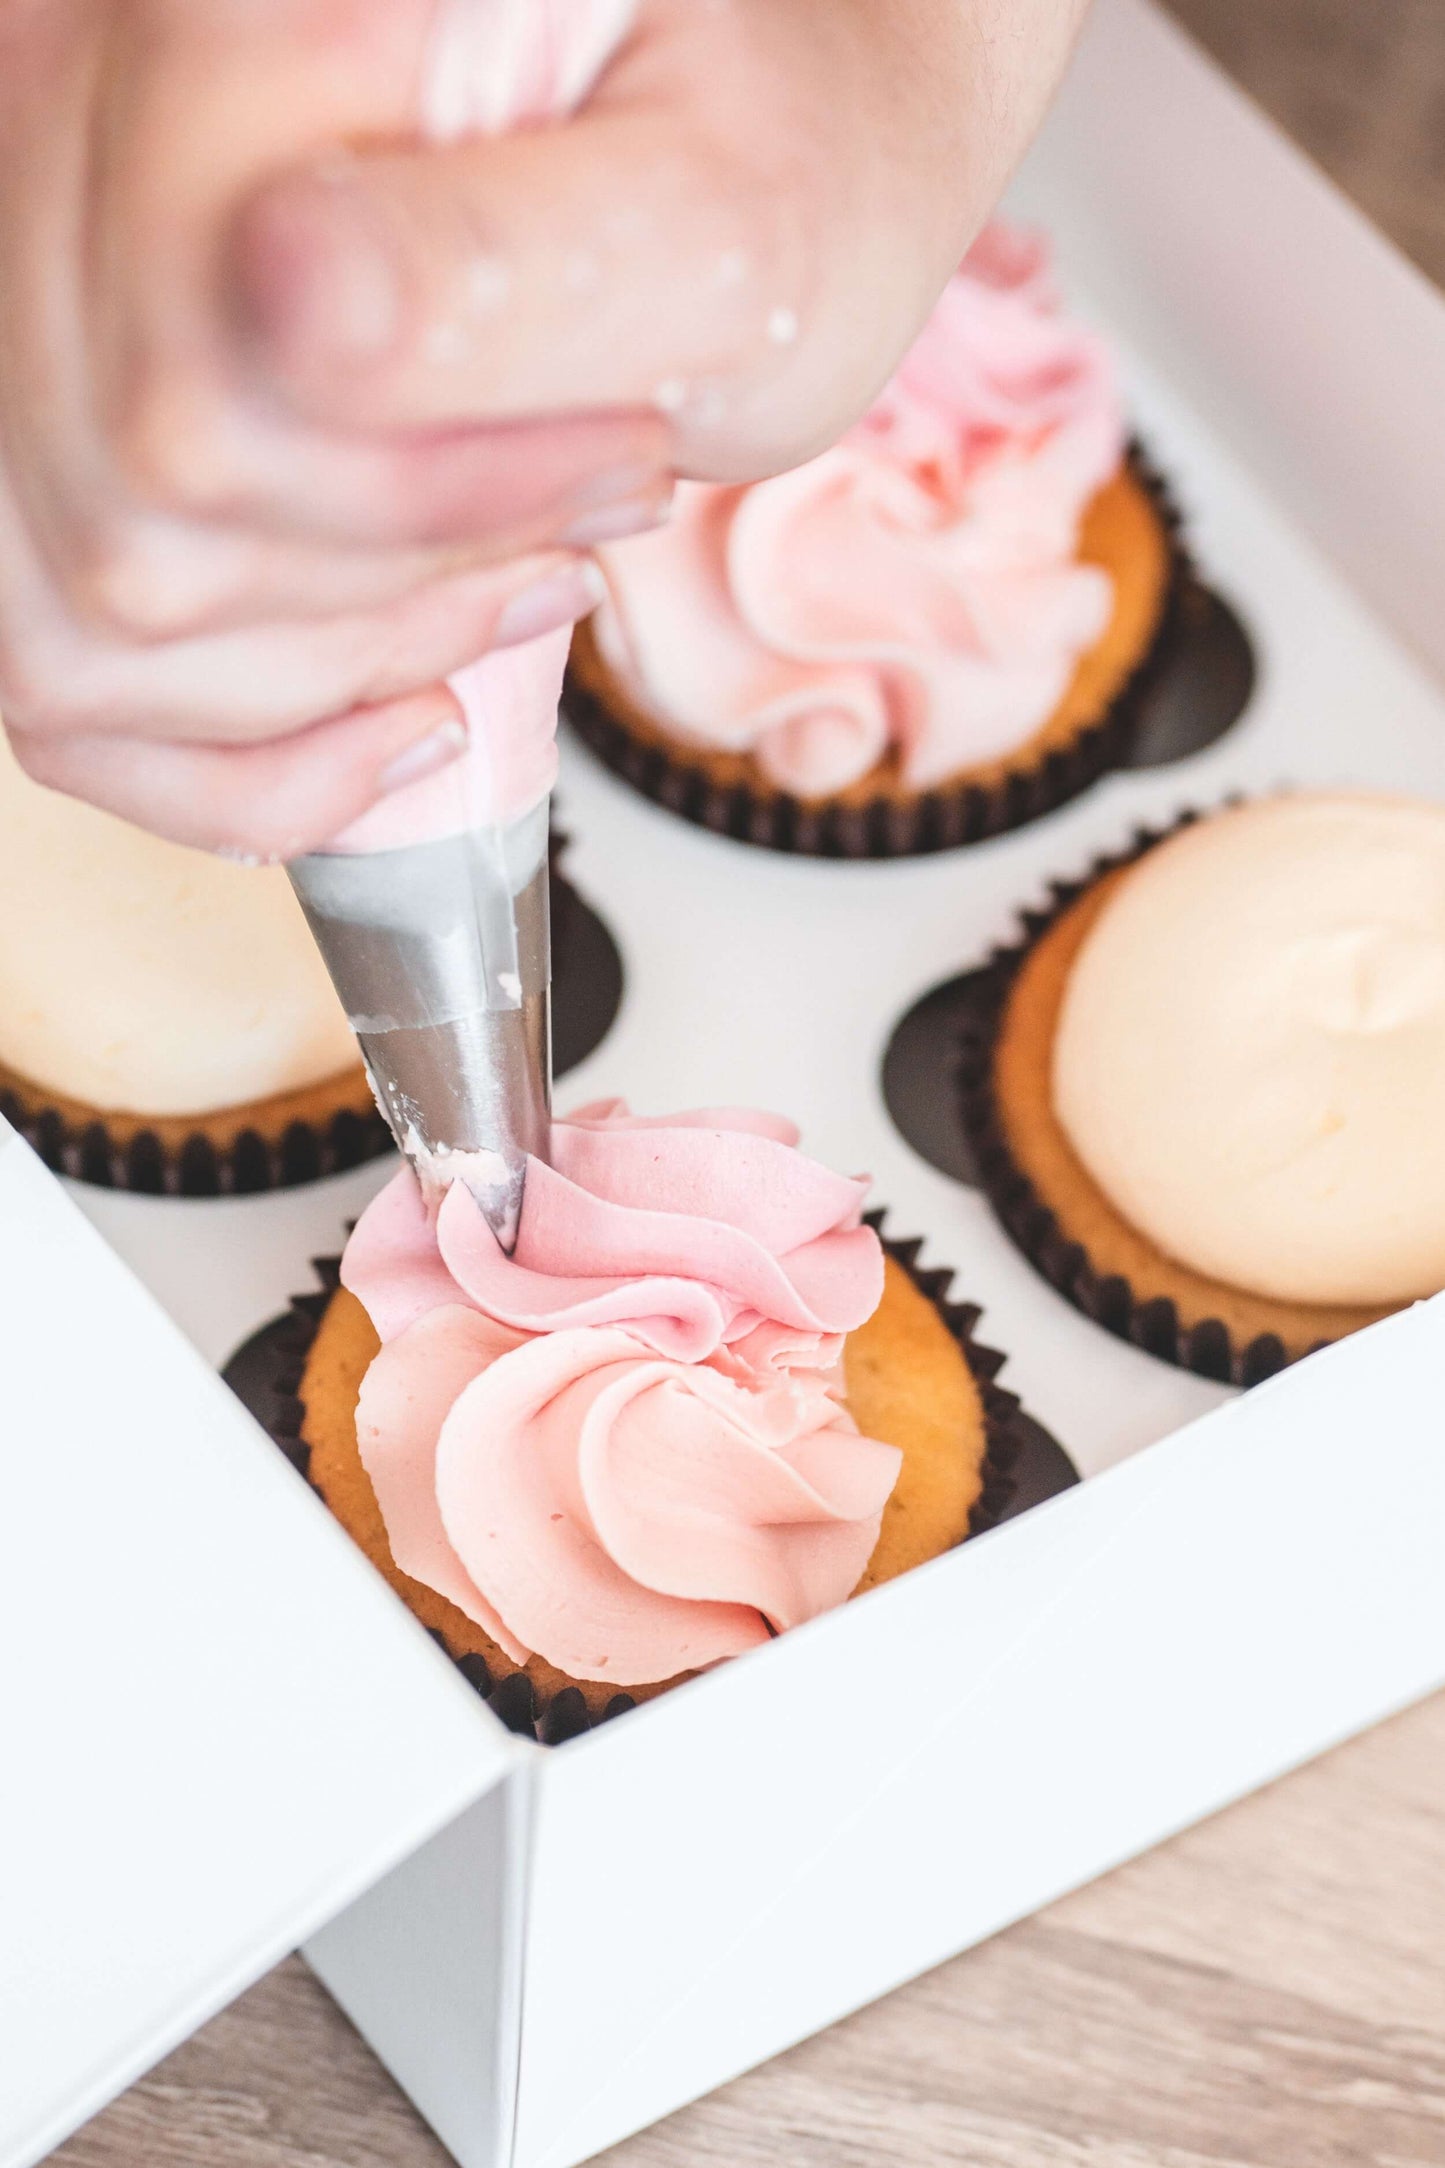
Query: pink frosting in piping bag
<point>509,700</point>
<point>915,587</point>
<point>500,64</point>
<point>624,1446</point>
<point>494,65</point>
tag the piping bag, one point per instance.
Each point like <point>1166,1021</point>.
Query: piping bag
<point>431,912</point>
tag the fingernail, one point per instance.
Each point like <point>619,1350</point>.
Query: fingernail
<point>613,523</point>
<point>437,750</point>
<point>558,600</point>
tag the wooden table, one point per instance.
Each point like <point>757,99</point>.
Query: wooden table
<point>1361,84</point>
<point>1267,1991</point>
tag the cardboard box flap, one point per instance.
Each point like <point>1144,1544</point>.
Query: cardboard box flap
<point>1262,294</point>
<point>959,1748</point>
<point>215,1729</point>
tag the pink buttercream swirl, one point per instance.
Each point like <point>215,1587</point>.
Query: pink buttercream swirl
<point>917,587</point>
<point>623,1447</point>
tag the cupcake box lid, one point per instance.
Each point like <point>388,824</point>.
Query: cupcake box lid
<point>218,1731</point>
<point>222,1735</point>
<point>214,1731</point>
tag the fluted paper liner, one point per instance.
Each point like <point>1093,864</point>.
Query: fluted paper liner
<point>902,827</point>
<point>1152,1322</point>
<point>174,1159</point>
<point>267,1373</point>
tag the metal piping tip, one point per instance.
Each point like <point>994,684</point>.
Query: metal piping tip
<point>441,953</point>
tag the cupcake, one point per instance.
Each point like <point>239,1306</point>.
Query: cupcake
<point>701,1403</point>
<point>1206,1097</point>
<point>166,1022</point>
<point>936,630</point>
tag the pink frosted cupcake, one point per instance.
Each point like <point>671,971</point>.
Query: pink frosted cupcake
<point>930,633</point>
<point>701,1403</point>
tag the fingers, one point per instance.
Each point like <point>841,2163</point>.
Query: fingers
<point>209,453</point>
<point>270,680</point>
<point>267,418</point>
<point>146,578</point>
<point>268,802</point>
<point>186,123</point>
<point>615,263</point>
<point>742,231</point>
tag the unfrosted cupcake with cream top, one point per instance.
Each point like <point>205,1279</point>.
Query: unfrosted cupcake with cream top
<point>925,634</point>
<point>699,1405</point>
<point>1212,1103</point>
<point>165,1019</point>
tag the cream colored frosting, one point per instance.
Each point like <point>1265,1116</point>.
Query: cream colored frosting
<point>146,979</point>
<point>1250,1059</point>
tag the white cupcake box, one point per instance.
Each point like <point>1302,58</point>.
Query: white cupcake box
<point>220,1735</point>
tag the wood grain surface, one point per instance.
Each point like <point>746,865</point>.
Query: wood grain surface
<point>1361,84</point>
<point>1268,1991</point>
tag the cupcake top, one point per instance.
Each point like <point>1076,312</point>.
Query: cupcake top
<point>143,978</point>
<point>914,591</point>
<point>624,1447</point>
<point>1250,1058</point>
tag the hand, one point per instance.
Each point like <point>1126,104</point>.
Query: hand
<point>744,229</point>
<point>273,415</point>
<point>222,619</point>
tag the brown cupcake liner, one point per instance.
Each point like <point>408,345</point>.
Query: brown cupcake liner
<point>1022,1465</point>
<point>1016,1443</point>
<point>254,1159</point>
<point>937,820</point>
<point>1152,1323</point>
<point>141,1161</point>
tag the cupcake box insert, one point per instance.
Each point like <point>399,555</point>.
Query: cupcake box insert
<point>221,1733</point>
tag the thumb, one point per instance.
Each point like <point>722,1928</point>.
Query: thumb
<point>632,259</point>
<point>264,802</point>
